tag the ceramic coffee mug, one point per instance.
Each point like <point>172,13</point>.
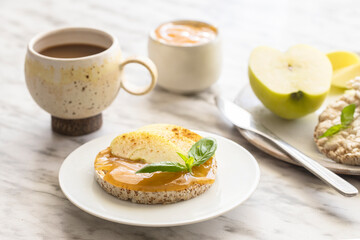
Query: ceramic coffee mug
<point>186,68</point>
<point>76,90</point>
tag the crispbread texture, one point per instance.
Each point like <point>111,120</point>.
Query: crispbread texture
<point>162,197</point>
<point>154,143</point>
<point>344,146</point>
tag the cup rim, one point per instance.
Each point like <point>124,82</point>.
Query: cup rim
<point>42,35</point>
<point>152,34</point>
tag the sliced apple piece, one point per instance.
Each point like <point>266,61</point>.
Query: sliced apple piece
<point>176,134</point>
<point>154,143</point>
<point>291,84</point>
<point>343,75</point>
<point>341,59</point>
<point>147,146</point>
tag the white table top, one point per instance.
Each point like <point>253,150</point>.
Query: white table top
<point>289,203</point>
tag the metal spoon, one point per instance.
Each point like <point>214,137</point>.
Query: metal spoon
<point>243,119</point>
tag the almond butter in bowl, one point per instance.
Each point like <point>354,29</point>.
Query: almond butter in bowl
<point>157,164</point>
<point>185,33</point>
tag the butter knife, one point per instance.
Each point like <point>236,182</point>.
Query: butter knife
<point>243,119</point>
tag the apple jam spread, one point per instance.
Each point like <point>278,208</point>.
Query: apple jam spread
<point>185,33</point>
<point>121,173</point>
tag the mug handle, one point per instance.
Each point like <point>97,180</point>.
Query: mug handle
<point>149,65</point>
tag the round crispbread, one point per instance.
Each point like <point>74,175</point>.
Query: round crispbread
<point>344,146</point>
<point>157,141</point>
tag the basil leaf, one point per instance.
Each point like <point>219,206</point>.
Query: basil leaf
<point>347,114</point>
<point>185,158</point>
<point>332,130</point>
<point>202,150</point>
<point>198,154</point>
<point>189,162</point>
<point>163,167</point>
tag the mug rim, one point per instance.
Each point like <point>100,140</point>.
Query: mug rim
<point>44,34</point>
<point>217,36</point>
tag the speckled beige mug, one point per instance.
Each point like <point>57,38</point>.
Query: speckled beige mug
<point>76,90</point>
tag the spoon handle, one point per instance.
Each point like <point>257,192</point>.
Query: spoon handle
<point>338,183</point>
<point>243,119</point>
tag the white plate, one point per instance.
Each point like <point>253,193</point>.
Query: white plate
<point>298,133</point>
<point>237,177</point>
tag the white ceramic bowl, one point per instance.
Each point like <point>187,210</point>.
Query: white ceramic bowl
<point>186,68</point>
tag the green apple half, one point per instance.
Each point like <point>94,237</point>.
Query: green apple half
<point>291,84</point>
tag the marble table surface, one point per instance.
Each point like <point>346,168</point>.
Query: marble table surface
<point>289,203</point>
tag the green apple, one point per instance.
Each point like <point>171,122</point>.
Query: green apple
<point>291,84</point>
